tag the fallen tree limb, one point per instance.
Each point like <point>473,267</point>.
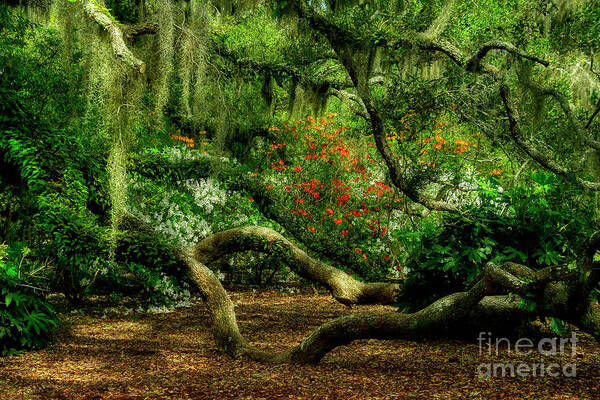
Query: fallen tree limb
<point>342,286</point>
<point>446,314</point>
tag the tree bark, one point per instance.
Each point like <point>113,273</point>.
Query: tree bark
<point>445,315</point>
<point>342,286</point>
<point>102,16</point>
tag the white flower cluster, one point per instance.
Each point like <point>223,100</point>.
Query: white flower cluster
<point>207,193</point>
<point>397,220</point>
<point>220,275</point>
<point>166,287</point>
<point>84,282</point>
<point>175,297</point>
<point>169,215</point>
<point>241,220</point>
<point>171,220</point>
<point>174,153</point>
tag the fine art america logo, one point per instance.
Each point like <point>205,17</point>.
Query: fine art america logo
<point>526,347</point>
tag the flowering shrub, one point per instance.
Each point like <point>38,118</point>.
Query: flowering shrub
<point>332,181</point>
<point>170,215</point>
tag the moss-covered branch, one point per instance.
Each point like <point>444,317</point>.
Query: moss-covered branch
<point>102,16</point>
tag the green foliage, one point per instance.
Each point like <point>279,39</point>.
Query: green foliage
<point>77,245</point>
<point>537,225</point>
<point>26,319</point>
<point>158,288</point>
<point>124,11</point>
<point>147,249</point>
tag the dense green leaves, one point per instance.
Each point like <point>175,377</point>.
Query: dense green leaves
<point>537,225</point>
<point>26,319</point>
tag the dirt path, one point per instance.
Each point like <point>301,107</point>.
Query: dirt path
<point>171,356</point>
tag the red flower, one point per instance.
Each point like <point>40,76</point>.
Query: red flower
<point>311,228</point>
<point>343,198</point>
<point>337,221</point>
<point>344,232</point>
<point>356,213</point>
<point>386,257</point>
<point>268,186</point>
<point>330,211</point>
<point>250,198</point>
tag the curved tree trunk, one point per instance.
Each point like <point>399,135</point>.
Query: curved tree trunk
<point>220,307</point>
<point>342,286</point>
<point>445,315</point>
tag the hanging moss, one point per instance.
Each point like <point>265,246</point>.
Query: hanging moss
<point>165,36</point>
<point>192,60</point>
<point>292,96</point>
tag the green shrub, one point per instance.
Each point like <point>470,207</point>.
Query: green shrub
<point>536,225</point>
<point>26,319</point>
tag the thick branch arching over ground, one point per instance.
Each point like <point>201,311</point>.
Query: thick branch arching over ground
<point>558,290</point>
<point>342,286</point>
<point>449,313</point>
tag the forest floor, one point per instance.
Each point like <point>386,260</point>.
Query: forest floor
<point>171,356</point>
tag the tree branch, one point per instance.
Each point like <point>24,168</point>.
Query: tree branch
<point>133,31</point>
<point>537,155</point>
<point>567,108</point>
<point>342,286</point>
<point>101,15</point>
<point>474,62</point>
<point>352,101</point>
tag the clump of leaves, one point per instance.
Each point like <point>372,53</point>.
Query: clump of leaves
<point>26,319</point>
<point>535,224</point>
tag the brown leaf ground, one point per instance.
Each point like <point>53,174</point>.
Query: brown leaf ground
<point>171,356</point>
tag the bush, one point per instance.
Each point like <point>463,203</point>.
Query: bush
<point>77,245</point>
<point>26,319</point>
<point>537,225</point>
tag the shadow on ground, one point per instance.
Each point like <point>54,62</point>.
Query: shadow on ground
<point>171,356</point>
